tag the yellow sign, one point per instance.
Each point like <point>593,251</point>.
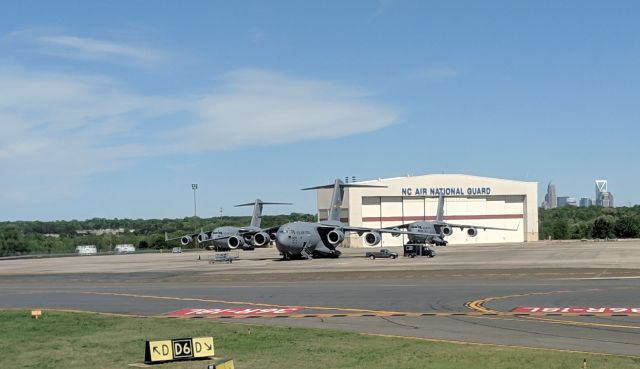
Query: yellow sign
<point>160,351</point>
<point>36,313</point>
<point>202,346</point>
<point>178,349</point>
<point>221,364</point>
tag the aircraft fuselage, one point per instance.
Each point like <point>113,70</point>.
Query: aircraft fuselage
<point>426,227</point>
<point>294,240</point>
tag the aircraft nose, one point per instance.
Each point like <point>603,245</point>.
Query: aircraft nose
<point>282,238</point>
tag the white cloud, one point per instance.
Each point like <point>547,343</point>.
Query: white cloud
<point>88,48</point>
<point>262,107</point>
<point>57,43</point>
<point>59,129</point>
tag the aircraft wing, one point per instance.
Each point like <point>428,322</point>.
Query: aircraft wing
<point>362,230</point>
<point>463,226</point>
<point>166,236</point>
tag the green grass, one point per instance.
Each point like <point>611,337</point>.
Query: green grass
<point>84,340</point>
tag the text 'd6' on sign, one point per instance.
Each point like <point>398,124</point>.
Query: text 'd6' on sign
<point>182,348</point>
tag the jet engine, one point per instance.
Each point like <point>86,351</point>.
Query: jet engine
<point>234,242</point>
<point>446,230</point>
<point>203,237</point>
<point>261,239</point>
<point>472,232</point>
<point>335,237</point>
<point>185,240</point>
<point>248,237</point>
<point>395,234</point>
<point>372,238</point>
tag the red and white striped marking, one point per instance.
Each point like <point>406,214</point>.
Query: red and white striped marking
<point>577,310</point>
<point>235,311</point>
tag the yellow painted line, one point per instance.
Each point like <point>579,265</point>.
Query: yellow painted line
<point>478,306</point>
<point>239,302</point>
<point>435,340</point>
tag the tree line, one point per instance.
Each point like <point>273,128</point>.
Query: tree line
<point>37,237</point>
<point>593,222</point>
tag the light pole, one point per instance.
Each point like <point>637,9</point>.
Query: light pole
<point>194,187</point>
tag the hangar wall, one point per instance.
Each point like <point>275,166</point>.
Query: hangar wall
<point>480,201</point>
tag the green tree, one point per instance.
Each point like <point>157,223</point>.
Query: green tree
<point>560,229</point>
<point>627,226</point>
<point>603,227</point>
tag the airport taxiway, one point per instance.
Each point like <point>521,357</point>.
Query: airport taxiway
<point>466,293</point>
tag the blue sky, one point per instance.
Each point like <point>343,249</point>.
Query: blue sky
<point>113,109</point>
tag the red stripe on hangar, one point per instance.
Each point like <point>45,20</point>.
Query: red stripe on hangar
<point>577,310</point>
<point>446,217</point>
<point>235,311</point>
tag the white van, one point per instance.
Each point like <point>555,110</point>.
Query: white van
<point>123,249</point>
<point>86,250</point>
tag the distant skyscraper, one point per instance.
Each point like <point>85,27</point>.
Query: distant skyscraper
<point>550,199</point>
<point>566,200</point>
<point>604,198</point>
<point>585,202</point>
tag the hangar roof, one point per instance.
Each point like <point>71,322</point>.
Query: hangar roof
<point>436,177</point>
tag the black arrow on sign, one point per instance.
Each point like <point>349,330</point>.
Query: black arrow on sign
<point>155,349</point>
<point>207,346</point>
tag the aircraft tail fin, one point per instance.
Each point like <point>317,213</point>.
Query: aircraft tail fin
<point>337,196</point>
<point>256,217</point>
<point>440,213</point>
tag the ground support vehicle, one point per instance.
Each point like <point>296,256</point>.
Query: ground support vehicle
<point>412,250</point>
<point>383,253</point>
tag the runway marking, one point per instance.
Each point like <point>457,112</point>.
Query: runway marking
<point>478,306</point>
<point>436,340</point>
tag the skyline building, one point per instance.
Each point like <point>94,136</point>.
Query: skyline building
<point>551,199</point>
<point>585,202</point>
<point>567,200</point>
<point>604,198</point>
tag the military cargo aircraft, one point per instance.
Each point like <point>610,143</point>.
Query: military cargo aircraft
<point>229,237</point>
<point>307,240</point>
<point>434,232</point>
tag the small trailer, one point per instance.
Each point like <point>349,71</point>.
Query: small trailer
<point>223,257</point>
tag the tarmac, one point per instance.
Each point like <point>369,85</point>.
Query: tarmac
<point>479,294</point>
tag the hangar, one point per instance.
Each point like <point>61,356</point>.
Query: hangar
<point>481,201</point>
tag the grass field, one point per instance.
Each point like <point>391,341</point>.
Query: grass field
<point>84,340</point>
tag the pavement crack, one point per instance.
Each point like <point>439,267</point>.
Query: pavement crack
<point>399,324</point>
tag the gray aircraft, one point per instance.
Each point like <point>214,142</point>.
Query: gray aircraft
<point>229,237</point>
<point>306,240</point>
<point>434,232</point>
